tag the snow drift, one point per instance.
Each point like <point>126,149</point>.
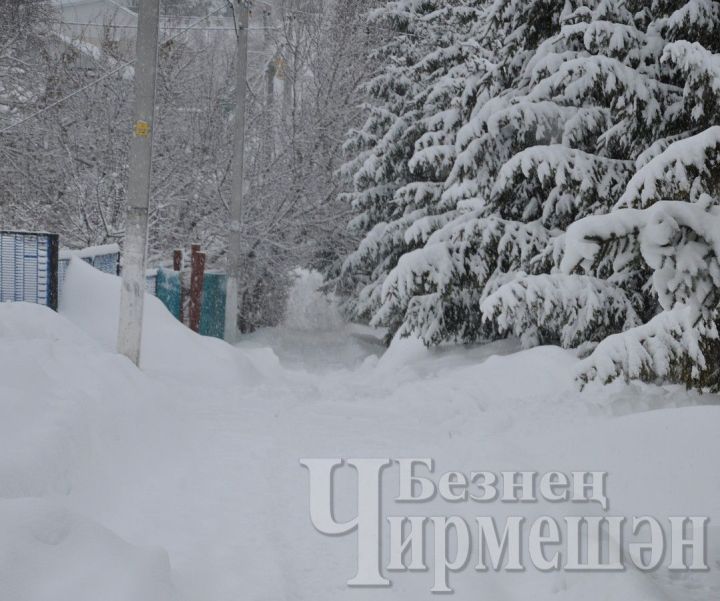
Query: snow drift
<point>91,300</point>
<point>181,481</point>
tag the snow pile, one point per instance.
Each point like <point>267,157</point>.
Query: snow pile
<point>62,401</point>
<point>85,437</point>
<point>320,338</point>
<point>91,300</point>
<point>48,553</point>
<point>182,483</point>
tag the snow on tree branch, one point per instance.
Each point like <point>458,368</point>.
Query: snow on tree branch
<point>559,309</point>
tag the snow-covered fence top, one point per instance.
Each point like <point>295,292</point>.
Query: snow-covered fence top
<point>91,252</point>
<point>106,258</point>
<point>29,267</point>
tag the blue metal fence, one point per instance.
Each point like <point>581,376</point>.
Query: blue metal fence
<point>32,269</point>
<point>212,314</point>
<point>168,289</point>
<point>29,267</point>
<point>106,258</point>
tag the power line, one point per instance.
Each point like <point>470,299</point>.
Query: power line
<point>116,26</point>
<point>68,97</point>
<point>164,27</point>
<point>103,77</point>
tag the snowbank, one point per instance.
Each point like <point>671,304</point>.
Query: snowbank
<point>48,553</point>
<point>91,301</point>
<point>181,481</point>
<point>85,436</point>
<point>63,401</point>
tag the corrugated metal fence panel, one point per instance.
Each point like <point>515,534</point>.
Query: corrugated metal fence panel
<point>167,289</point>
<point>28,268</point>
<point>109,263</point>
<point>212,315</point>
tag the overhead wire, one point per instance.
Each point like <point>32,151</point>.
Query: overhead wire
<point>103,77</point>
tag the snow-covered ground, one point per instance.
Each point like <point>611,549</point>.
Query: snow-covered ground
<point>182,481</point>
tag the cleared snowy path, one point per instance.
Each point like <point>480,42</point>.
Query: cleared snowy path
<point>195,461</point>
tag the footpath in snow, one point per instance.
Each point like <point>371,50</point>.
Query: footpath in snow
<point>182,481</point>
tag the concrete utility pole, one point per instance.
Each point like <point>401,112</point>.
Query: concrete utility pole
<point>271,68</point>
<point>136,224</point>
<point>234,263</point>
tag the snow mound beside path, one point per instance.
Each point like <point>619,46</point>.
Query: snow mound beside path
<point>63,402</point>
<point>86,438</point>
<point>48,553</point>
<point>91,300</point>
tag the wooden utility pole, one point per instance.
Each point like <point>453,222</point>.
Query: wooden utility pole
<point>234,263</point>
<point>138,200</point>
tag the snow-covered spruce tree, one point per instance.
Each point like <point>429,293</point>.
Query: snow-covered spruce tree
<point>533,159</point>
<point>679,242</point>
<point>404,152</point>
<point>666,223</point>
<point>589,103</point>
<point>655,272</point>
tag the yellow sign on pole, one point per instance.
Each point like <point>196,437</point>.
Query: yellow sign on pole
<point>141,129</point>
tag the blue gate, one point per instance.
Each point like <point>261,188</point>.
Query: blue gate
<point>29,268</point>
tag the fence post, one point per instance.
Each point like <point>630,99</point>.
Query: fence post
<point>177,266</point>
<point>53,265</point>
<point>197,278</point>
